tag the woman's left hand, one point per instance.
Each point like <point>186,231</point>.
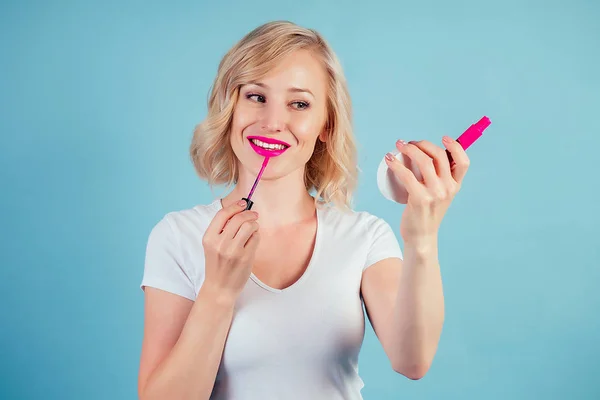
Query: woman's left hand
<point>428,200</point>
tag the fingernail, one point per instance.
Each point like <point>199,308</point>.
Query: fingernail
<point>400,142</point>
<point>446,139</point>
<point>242,203</point>
<point>389,157</point>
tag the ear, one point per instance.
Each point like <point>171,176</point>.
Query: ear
<point>324,133</point>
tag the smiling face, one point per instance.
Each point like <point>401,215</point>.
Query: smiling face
<point>281,115</point>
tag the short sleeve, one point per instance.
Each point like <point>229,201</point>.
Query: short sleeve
<point>163,267</point>
<point>383,243</point>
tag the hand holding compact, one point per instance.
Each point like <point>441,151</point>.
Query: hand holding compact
<point>429,197</point>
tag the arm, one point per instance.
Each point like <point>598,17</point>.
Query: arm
<point>183,344</point>
<point>405,304</point>
<point>184,336</point>
<point>405,298</point>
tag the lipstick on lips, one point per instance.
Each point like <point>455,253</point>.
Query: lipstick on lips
<point>267,148</point>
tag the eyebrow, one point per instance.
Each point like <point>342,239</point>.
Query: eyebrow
<point>291,89</point>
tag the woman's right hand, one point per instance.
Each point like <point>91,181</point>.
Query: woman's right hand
<point>230,244</point>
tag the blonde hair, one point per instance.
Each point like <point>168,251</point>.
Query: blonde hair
<point>332,169</point>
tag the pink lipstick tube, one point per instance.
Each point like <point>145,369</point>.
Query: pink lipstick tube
<point>472,133</point>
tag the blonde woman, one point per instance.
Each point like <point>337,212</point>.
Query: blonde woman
<point>266,303</point>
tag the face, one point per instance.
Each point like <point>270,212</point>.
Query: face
<point>281,116</point>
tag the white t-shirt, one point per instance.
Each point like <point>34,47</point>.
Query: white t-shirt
<point>301,342</point>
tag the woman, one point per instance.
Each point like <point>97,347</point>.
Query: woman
<point>267,303</point>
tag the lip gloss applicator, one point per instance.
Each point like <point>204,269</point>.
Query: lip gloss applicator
<point>249,202</point>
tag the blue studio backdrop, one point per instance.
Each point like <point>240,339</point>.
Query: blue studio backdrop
<point>98,101</point>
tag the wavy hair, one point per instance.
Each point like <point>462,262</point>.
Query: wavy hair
<point>332,170</point>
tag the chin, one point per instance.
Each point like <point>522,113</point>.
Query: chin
<point>275,169</point>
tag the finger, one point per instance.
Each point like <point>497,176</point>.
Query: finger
<point>408,163</point>
<point>233,225</point>
<point>223,215</point>
<point>253,241</point>
<point>406,176</point>
<point>459,160</point>
<point>439,156</point>
<point>422,160</point>
<point>244,232</point>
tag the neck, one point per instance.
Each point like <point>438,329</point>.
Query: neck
<point>279,201</point>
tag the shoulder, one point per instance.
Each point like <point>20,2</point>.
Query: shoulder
<point>363,233</point>
<point>182,225</point>
<point>353,221</point>
<point>173,259</point>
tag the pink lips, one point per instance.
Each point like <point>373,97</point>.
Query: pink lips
<point>267,152</point>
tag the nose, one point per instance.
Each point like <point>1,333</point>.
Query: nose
<point>273,119</point>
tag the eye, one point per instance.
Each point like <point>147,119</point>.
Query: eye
<point>256,97</point>
<point>300,105</point>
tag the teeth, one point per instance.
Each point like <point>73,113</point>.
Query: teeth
<point>268,146</point>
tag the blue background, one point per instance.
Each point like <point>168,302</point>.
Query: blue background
<point>98,101</point>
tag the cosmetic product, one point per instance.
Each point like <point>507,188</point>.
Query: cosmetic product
<point>392,188</point>
<point>249,202</point>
